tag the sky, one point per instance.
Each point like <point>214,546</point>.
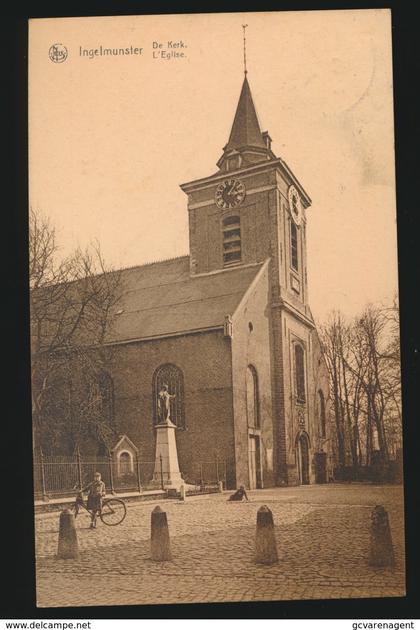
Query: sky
<point>111,138</point>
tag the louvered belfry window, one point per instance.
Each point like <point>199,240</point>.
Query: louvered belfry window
<point>322,417</point>
<point>231,240</point>
<point>171,376</point>
<point>300,373</point>
<point>294,246</point>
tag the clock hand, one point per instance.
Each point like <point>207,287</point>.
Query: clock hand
<point>227,193</point>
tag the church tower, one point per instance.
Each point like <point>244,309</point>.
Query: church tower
<point>252,210</point>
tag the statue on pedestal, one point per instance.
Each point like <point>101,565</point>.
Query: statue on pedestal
<point>164,405</point>
<point>166,473</point>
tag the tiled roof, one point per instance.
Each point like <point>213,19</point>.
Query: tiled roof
<point>162,299</point>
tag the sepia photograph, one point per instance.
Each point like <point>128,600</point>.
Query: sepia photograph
<point>214,310</point>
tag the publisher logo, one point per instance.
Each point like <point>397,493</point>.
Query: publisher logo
<point>58,53</point>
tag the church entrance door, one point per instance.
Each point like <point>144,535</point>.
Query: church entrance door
<point>321,467</point>
<point>303,459</point>
<point>254,462</point>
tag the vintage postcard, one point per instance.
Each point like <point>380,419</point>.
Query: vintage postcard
<point>214,309</point>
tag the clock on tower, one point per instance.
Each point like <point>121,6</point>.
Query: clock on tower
<point>230,193</point>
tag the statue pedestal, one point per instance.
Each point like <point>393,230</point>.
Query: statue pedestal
<point>167,467</point>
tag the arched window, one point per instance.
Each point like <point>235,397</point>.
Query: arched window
<point>252,397</point>
<point>171,376</point>
<point>300,373</point>
<point>125,463</point>
<point>294,258</point>
<point>231,240</point>
<point>321,411</point>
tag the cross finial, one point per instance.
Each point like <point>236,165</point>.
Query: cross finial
<point>245,70</point>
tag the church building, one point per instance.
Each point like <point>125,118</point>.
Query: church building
<point>228,328</point>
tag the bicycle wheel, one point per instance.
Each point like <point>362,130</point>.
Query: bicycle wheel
<point>113,511</point>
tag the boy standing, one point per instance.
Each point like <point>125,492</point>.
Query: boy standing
<point>96,494</point>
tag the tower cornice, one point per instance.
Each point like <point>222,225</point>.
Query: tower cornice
<point>278,163</point>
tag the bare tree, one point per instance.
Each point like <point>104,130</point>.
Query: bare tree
<point>370,351</point>
<point>332,343</point>
<point>364,366</point>
<point>72,310</point>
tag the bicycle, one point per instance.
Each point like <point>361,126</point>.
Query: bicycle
<point>113,510</point>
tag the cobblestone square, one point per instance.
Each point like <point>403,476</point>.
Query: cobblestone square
<point>322,535</point>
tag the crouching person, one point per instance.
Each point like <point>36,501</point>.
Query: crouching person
<point>96,490</point>
<point>239,495</point>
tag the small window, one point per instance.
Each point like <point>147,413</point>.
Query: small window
<point>294,247</point>
<point>300,373</point>
<point>125,462</point>
<point>231,240</point>
<point>322,418</point>
<point>233,163</point>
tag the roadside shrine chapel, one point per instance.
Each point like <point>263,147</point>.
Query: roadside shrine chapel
<point>228,329</point>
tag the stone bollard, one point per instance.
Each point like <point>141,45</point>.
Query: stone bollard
<point>381,549</point>
<point>265,542</point>
<point>220,486</point>
<point>182,493</point>
<point>68,547</point>
<point>160,543</point>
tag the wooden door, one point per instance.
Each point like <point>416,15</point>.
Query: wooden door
<point>304,459</point>
<point>252,459</point>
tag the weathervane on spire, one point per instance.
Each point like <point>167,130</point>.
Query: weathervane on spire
<point>245,70</point>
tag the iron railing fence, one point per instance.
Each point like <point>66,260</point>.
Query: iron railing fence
<point>211,473</point>
<point>61,475</point>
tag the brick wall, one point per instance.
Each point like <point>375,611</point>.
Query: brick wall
<point>205,360</point>
<point>205,225</point>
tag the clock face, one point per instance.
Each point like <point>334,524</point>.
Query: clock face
<point>295,205</point>
<point>230,193</point>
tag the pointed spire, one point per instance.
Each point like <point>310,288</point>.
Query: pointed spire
<point>246,144</point>
<point>246,130</point>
